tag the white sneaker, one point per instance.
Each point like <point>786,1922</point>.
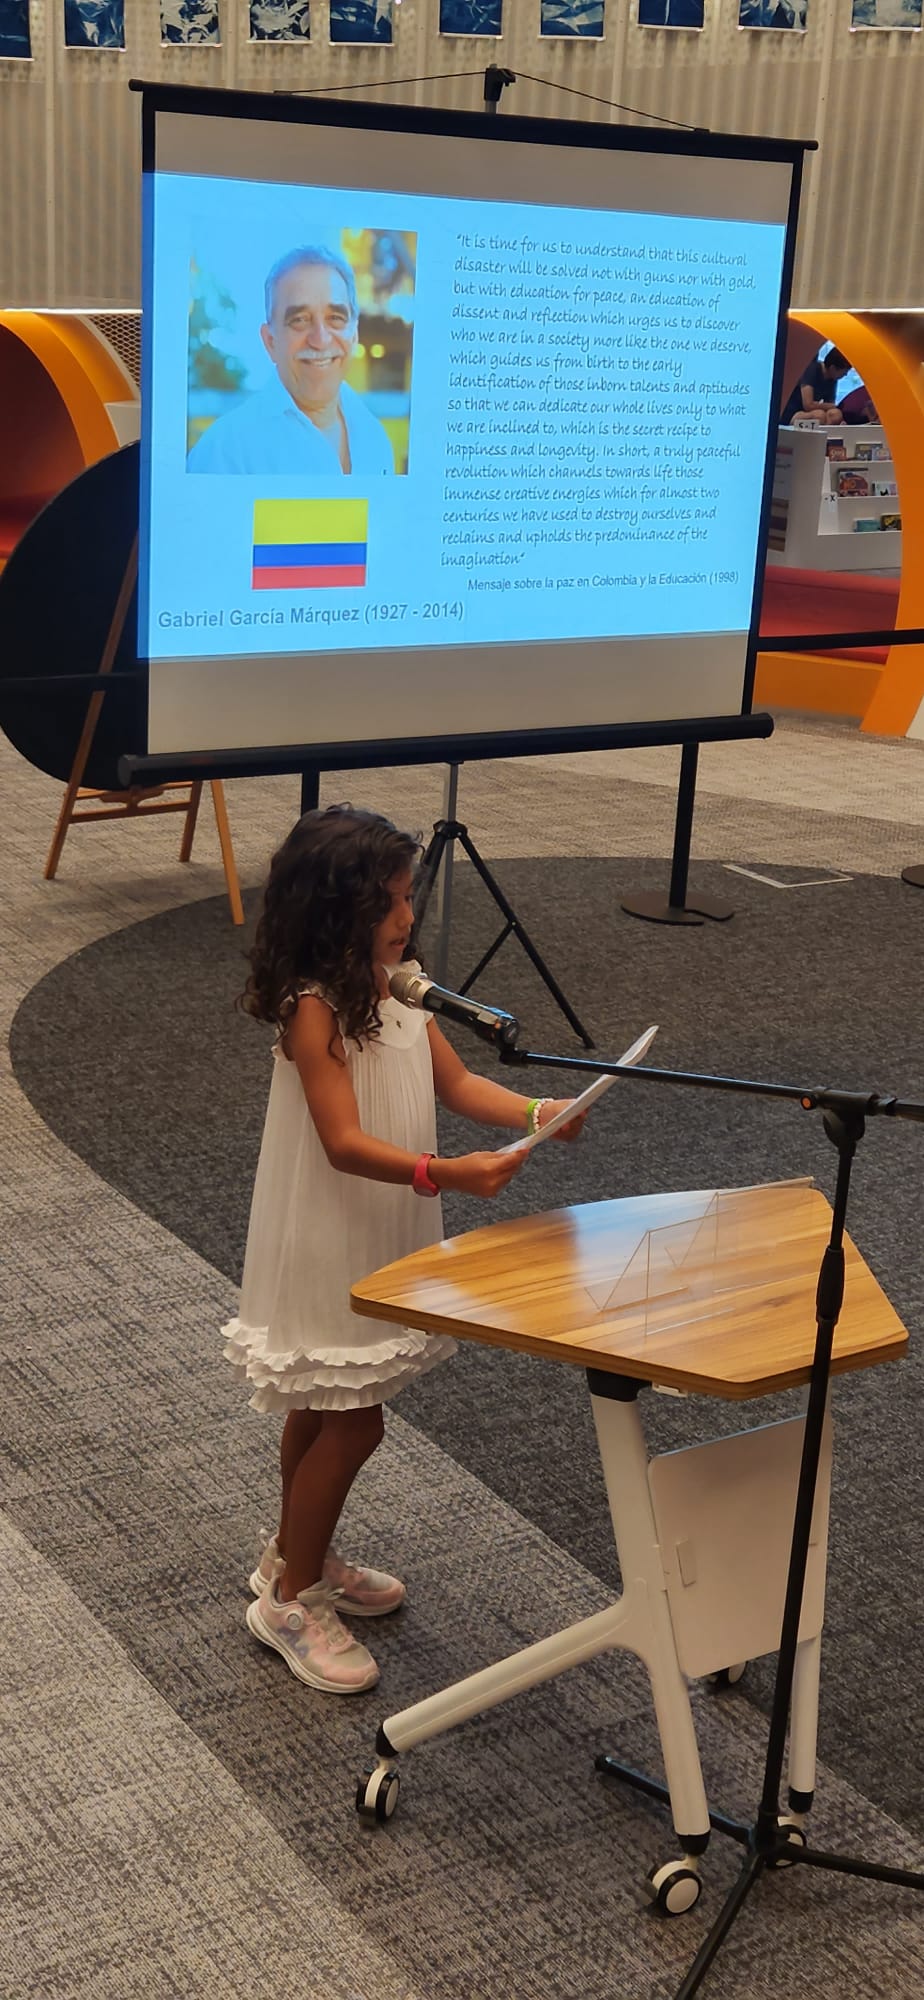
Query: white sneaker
<point>361,1593</point>
<point>269,1569</point>
<point>313,1642</point>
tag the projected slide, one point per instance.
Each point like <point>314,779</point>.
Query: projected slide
<point>447,435</point>
<point>383,418</point>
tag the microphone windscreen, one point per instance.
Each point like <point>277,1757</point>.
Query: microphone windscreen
<point>407,985</point>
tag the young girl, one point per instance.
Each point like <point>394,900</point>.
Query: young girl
<point>348,1180</point>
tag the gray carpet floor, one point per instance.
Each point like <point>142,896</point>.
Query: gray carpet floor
<point>178,1815</point>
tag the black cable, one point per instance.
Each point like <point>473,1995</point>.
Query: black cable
<point>380,83</point>
<point>450,75</point>
<point>610,102</point>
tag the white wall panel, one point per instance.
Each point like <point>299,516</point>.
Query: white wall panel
<point>69,126</point>
<point>26,113</point>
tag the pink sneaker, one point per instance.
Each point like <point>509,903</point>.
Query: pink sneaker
<point>269,1569</point>
<point>312,1641</point>
<point>362,1593</point>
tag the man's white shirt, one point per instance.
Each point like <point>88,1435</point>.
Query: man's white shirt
<point>269,433</point>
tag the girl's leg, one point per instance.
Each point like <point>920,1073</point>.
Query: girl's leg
<point>319,1486</point>
<point>299,1432</point>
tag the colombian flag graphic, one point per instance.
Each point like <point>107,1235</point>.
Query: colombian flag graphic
<point>309,544</point>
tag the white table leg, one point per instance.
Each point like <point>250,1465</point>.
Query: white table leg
<point>623,1624</point>
<point>625,1469</point>
<point>638,1623</point>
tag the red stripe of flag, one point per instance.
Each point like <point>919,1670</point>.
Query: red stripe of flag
<point>300,579</point>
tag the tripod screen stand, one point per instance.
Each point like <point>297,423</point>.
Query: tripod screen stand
<point>436,872</point>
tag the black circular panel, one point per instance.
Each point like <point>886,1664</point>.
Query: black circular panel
<point>58,593</point>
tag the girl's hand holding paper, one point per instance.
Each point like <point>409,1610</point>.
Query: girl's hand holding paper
<point>553,1108</point>
<point>553,1120</point>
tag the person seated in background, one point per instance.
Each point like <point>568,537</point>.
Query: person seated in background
<point>813,395</point>
<point>858,407</point>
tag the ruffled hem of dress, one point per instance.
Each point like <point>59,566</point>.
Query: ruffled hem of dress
<point>330,1378</point>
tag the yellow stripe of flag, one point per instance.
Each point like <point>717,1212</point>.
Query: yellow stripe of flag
<point>309,521</point>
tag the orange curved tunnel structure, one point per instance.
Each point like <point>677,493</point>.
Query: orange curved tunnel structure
<point>888,352</point>
<point>58,377</point>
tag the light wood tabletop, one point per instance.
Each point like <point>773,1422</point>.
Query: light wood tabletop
<point>712,1292</point>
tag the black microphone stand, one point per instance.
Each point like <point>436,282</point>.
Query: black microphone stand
<point>770,1842</point>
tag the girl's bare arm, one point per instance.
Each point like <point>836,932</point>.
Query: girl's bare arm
<point>479,1098</point>
<point>311,1041</point>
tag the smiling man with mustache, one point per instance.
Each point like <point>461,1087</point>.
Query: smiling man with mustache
<point>307,419</point>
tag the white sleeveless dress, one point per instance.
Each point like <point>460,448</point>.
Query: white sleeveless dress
<point>314,1232</point>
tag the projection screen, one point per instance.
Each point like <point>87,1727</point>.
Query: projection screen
<point>450,424</point>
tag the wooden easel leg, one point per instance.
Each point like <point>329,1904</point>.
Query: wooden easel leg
<point>189,823</point>
<point>88,731</point>
<point>227,851</point>
<point>72,788</point>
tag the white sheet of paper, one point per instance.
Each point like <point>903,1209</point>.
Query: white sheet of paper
<point>588,1097</point>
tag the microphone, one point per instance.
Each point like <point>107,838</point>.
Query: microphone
<point>416,990</point>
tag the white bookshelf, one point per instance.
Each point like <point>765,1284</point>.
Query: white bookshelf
<point>812,524</point>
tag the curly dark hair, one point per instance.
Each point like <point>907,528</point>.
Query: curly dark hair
<point>327,891</point>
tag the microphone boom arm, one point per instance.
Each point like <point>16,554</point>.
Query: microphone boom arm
<point>849,1104</point>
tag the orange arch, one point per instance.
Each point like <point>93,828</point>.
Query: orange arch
<point>83,371</point>
<point>887,354</point>
<point>59,380</point>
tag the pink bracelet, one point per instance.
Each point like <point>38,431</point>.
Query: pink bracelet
<point>421,1183</point>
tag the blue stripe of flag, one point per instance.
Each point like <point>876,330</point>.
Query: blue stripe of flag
<point>308,555</point>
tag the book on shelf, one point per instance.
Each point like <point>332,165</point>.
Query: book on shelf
<point>890,521</point>
<point>852,483</point>
<point>863,451</point>
<point>880,451</point>
<point>835,448</point>
<point>884,489</point>
<point>866,524</point>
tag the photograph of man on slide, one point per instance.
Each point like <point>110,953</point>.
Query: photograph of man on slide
<point>338,397</point>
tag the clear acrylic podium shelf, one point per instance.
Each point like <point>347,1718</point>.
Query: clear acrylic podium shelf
<point>698,1265</point>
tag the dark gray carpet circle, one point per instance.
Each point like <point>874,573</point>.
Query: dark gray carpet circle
<point>133,1054</point>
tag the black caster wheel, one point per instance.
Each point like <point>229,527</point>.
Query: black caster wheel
<point>675,1888</point>
<point>728,1677</point>
<point>377,1795</point>
<point>794,1836</point>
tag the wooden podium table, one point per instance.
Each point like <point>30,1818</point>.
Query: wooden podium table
<point>712,1293</point>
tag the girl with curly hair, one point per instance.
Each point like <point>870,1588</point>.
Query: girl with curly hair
<point>348,1149</point>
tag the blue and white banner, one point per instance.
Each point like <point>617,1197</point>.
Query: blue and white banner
<point>189,22</point>
<point>361,21</point>
<point>94,24</point>
<point>280,21</point>
<point>471,17</point>
<point>670,13</point>
<point>772,14</point>
<point>566,18</point>
<point>14,29</point>
<point>886,14</point>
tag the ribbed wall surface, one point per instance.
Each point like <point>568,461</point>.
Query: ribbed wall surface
<point>69,126</point>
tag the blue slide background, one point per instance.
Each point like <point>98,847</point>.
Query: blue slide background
<point>198,532</point>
